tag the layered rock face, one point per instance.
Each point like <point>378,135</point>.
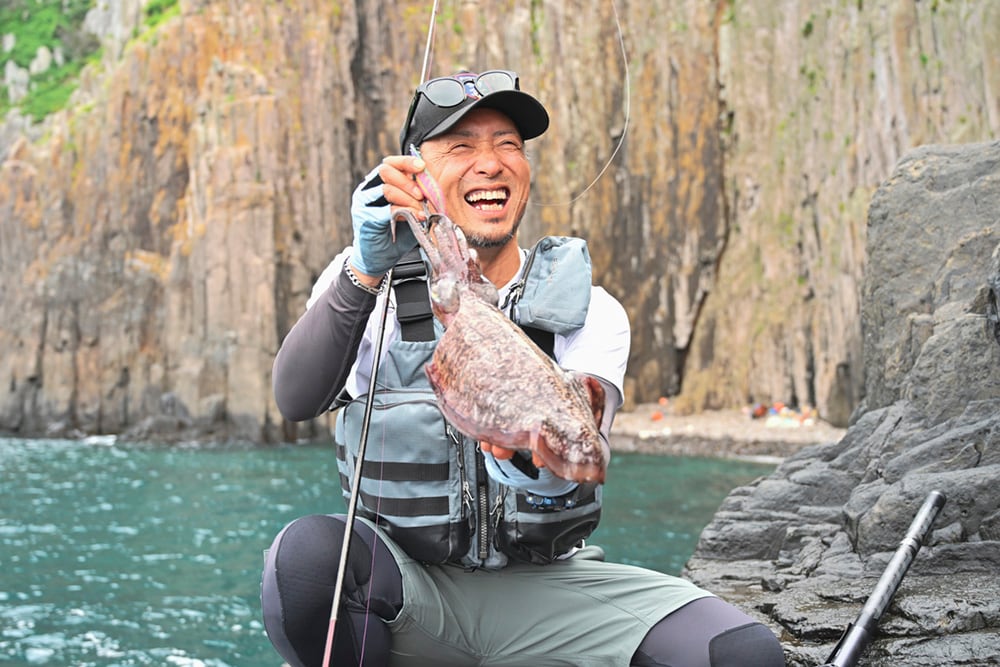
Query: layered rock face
<point>802,547</point>
<point>161,235</point>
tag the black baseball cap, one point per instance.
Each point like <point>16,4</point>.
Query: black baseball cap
<point>440,103</point>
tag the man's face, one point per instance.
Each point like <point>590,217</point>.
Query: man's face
<point>484,174</point>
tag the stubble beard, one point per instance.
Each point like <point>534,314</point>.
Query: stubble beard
<point>483,241</point>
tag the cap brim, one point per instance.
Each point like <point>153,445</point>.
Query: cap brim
<point>527,113</point>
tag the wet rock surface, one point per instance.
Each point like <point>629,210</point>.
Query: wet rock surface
<point>803,548</point>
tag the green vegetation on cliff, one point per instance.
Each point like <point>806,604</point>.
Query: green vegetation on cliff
<point>157,11</point>
<point>28,27</point>
<point>31,27</point>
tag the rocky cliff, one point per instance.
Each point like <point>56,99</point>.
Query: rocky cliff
<point>803,547</point>
<point>160,235</point>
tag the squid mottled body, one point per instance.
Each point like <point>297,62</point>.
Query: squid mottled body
<point>492,382</point>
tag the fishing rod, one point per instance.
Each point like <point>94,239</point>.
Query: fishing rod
<point>352,504</point>
<point>859,634</point>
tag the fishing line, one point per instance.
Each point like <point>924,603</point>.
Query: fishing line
<point>352,503</point>
<point>371,567</point>
<point>425,70</point>
<point>353,500</point>
<point>626,109</point>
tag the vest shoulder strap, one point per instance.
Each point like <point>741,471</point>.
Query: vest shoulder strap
<point>413,304</point>
<point>545,340</point>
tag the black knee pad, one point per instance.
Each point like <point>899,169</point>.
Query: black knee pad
<point>752,645</point>
<point>298,584</point>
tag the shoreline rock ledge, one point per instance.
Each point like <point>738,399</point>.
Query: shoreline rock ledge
<point>802,548</point>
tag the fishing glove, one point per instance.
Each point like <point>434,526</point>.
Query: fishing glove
<point>547,484</point>
<point>374,251</point>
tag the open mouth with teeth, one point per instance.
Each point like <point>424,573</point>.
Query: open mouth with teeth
<point>488,200</point>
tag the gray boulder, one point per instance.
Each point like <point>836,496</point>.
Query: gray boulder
<point>803,548</point>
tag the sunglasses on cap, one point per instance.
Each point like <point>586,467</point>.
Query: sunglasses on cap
<point>450,91</point>
<point>445,92</point>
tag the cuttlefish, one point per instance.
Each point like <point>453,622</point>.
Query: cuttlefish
<point>491,381</point>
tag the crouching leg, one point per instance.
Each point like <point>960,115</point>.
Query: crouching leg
<point>297,585</point>
<point>709,633</point>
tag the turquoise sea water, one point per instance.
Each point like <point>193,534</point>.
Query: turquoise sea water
<point>117,554</point>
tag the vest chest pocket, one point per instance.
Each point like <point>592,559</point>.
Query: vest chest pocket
<point>538,533</point>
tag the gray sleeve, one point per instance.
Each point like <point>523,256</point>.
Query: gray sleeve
<point>316,356</point>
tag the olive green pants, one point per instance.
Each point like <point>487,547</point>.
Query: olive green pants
<point>576,612</point>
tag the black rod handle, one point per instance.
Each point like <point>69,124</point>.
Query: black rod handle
<point>859,634</point>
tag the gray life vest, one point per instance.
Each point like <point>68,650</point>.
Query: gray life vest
<point>423,481</point>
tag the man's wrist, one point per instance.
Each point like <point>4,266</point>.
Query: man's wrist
<point>370,284</point>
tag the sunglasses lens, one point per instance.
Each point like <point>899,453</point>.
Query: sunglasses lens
<point>445,92</point>
<point>434,99</point>
<point>491,82</point>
